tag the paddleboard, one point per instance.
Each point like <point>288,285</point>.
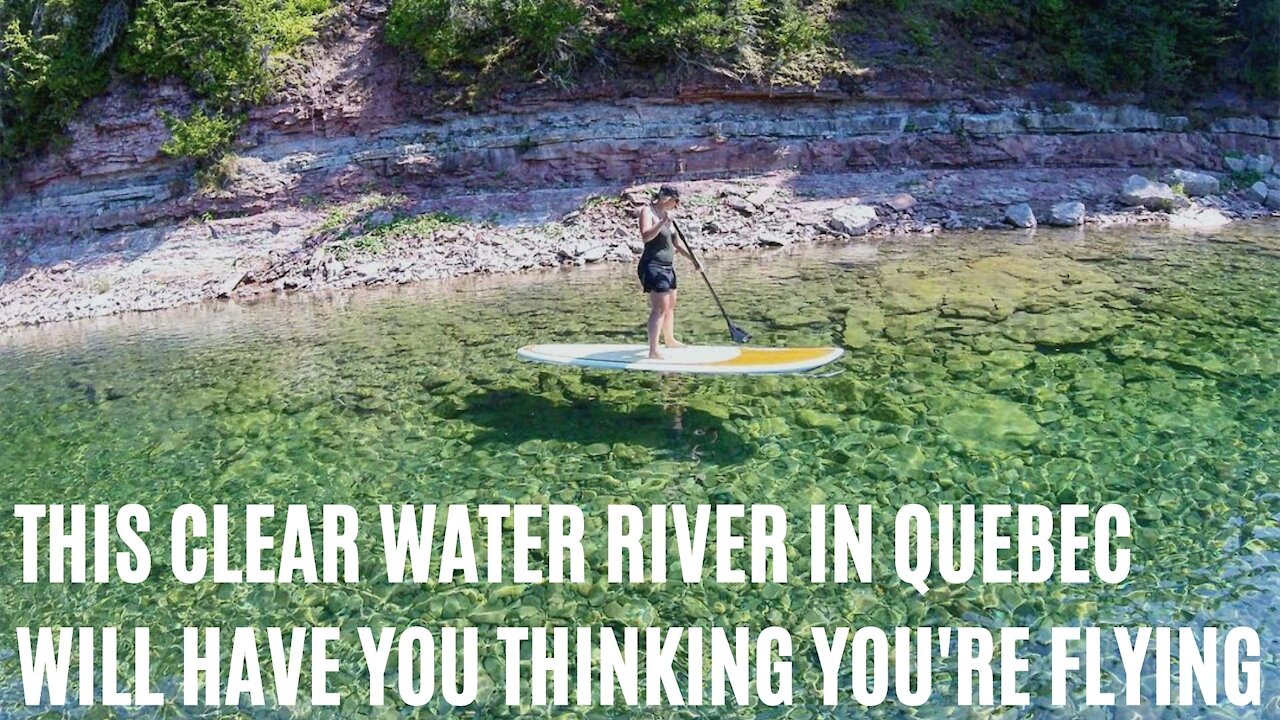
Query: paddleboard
<point>705,359</point>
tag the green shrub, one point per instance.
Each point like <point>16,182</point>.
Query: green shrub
<point>457,39</point>
<point>200,136</point>
<point>465,41</point>
<point>1258,22</point>
<point>221,48</point>
<point>47,70</point>
<point>656,32</point>
<point>56,54</point>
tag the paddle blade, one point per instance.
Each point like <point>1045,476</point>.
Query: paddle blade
<point>739,335</point>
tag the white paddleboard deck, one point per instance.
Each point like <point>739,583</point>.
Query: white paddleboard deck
<point>705,359</point>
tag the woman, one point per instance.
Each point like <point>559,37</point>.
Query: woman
<point>657,267</point>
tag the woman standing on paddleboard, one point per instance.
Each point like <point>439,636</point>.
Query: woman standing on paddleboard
<point>657,267</point>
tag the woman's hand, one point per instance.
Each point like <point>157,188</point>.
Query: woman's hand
<point>650,226</point>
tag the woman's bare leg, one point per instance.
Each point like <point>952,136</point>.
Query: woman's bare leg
<point>669,323</point>
<point>658,302</point>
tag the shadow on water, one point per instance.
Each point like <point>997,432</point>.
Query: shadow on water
<point>512,416</point>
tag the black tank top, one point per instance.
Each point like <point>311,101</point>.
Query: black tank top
<point>662,248</point>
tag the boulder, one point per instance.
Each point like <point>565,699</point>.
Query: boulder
<point>1196,184</point>
<point>1261,164</point>
<point>594,254</point>
<point>1067,214</point>
<point>1235,164</point>
<point>742,205</point>
<point>1020,215</point>
<point>1151,195</point>
<point>901,201</point>
<point>1273,200</point>
<point>853,220</point>
<point>1258,192</point>
<point>1198,218</point>
<point>992,423</point>
<point>762,196</point>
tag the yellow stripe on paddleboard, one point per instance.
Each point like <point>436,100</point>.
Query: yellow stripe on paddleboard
<point>774,356</point>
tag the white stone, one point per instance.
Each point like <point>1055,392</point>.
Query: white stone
<point>1196,184</point>
<point>1138,190</point>
<point>853,220</point>
<point>1067,214</point>
<point>1198,218</point>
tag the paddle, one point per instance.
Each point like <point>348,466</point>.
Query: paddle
<point>739,335</point>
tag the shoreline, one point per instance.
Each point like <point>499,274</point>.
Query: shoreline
<point>392,240</point>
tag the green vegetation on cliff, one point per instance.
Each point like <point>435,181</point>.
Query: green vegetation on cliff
<point>464,40</point>
<point>1166,49</point>
<point>55,54</point>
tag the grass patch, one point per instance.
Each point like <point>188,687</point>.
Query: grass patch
<point>408,227</point>
<point>353,229</point>
<point>1241,179</point>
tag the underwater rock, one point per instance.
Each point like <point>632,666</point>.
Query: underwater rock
<point>815,419</point>
<point>995,287</point>
<point>637,612</point>
<point>861,324</point>
<point>992,423</point>
<point>1058,329</point>
<point>909,294</point>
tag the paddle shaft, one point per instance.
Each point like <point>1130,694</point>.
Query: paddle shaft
<point>734,330</point>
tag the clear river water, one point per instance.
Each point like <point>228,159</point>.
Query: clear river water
<point>1138,367</point>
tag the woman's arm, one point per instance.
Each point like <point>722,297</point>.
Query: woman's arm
<point>650,226</point>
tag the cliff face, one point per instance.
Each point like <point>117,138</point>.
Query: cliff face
<point>113,175</point>
<point>353,121</point>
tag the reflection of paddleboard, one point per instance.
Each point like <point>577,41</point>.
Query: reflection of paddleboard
<point>708,359</point>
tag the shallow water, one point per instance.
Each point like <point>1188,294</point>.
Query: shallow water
<point>1134,367</point>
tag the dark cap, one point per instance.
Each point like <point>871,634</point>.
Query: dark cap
<point>667,191</point>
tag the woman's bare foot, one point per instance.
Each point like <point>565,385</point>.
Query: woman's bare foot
<point>675,344</point>
<point>655,355</point>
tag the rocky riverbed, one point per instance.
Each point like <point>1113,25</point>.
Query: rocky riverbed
<point>380,239</point>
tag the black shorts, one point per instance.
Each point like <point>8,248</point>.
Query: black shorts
<point>656,277</point>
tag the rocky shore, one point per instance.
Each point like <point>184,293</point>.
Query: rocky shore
<point>381,239</point>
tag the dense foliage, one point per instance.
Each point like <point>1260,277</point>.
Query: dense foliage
<point>1160,47</point>
<point>56,54</point>
<point>466,40</point>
